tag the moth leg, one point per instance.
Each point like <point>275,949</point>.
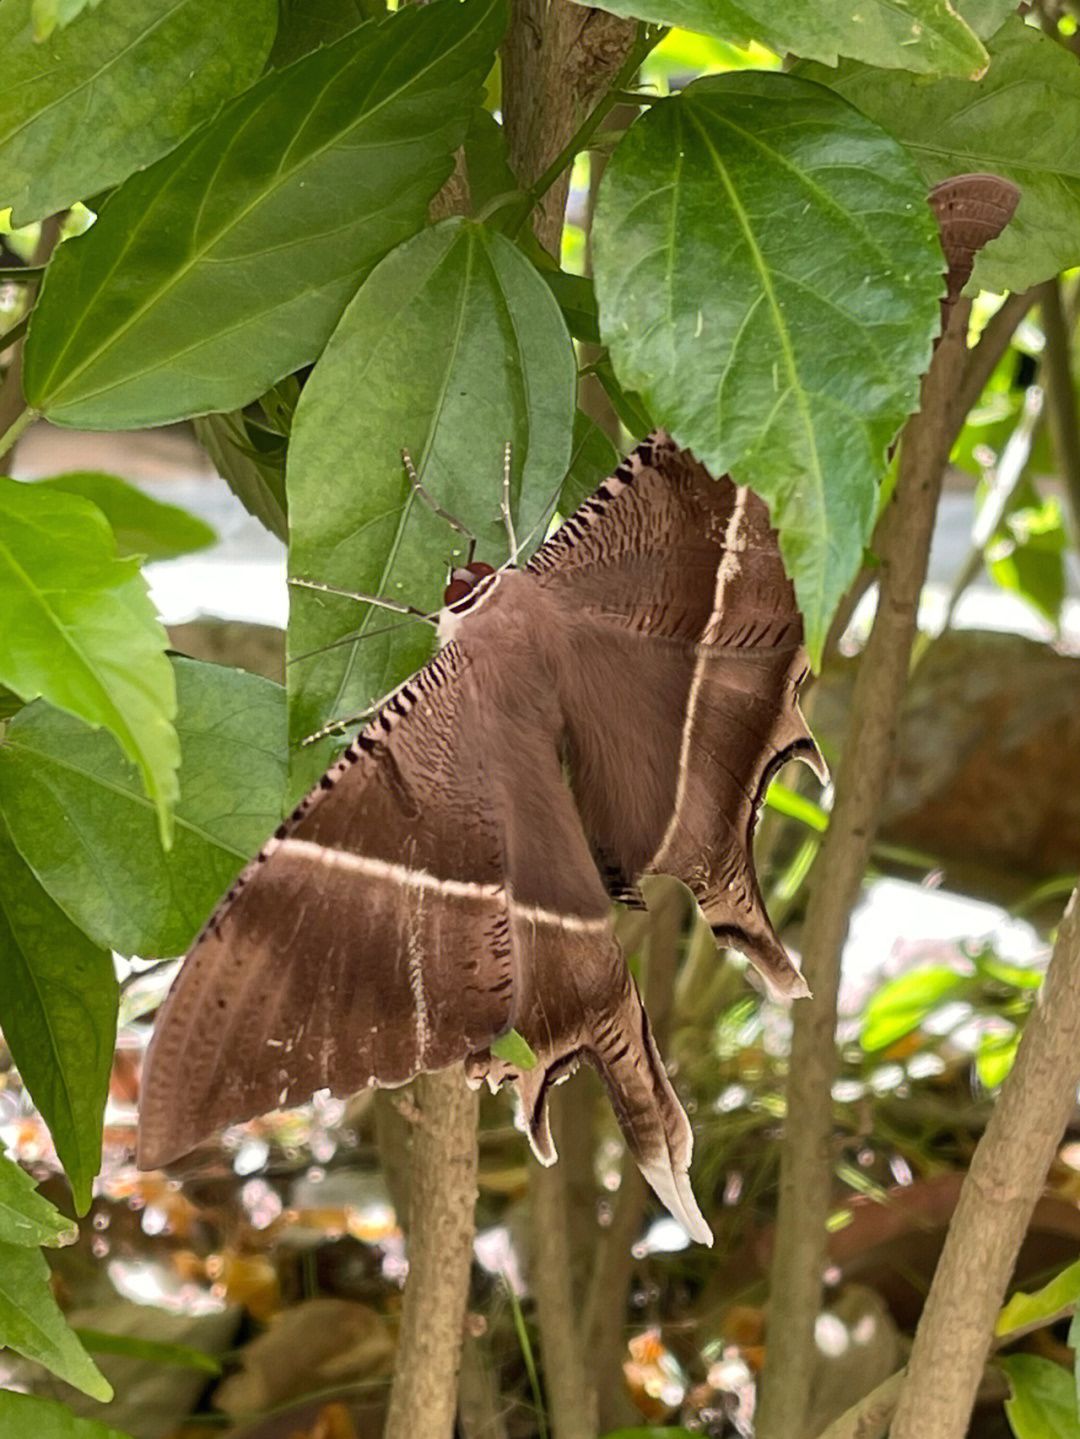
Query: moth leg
<point>376,600</point>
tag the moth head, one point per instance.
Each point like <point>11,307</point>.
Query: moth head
<point>465,579</point>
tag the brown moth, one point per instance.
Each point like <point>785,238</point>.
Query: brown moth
<point>614,708</point>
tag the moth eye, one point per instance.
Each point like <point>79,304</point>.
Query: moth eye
<point>456,590</point>
<point>479,569</point>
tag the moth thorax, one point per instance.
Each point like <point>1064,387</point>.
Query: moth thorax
<point>465,579</point>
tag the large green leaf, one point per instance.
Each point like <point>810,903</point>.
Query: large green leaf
<point>142,525</point>
<point>1043,1403</point>
<point>79,630</point>
<point>926,36</point>
<point>32,1325</point>
<point>453,347</point>
<point>1021,120</point>
<point>227,264</point>
<point>27,1219</point>
<point>81,822</point>
<point>46,1419</point>
<point>114,90</point>
<point>768,274</point>
<point>58,998</point>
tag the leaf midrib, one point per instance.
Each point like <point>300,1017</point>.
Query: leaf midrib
<point>281,178</point>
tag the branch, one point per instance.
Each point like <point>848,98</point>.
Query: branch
<point>948,390</point>
<point>869,1418</point>
<point>423,1399</point>
<point>556,58</point>
<point>15,416</point>
<point>999,1193</point>
<point>1061,397</point>
<point>571,1403</point>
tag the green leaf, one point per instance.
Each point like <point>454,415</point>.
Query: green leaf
<point>789,802</point>
<point>576,296</point>
<point>251,464</point>
<point>1043,1403</point>
<point>768,273</point>
<point>994,1057</point>
<point>1014,976</point>
<point>1011,123</point>
<point>1050,1302</point>
<point>32,1325</point>
<point>902,1004</point>
<point>58,998</point>
<point>926,36</point>
<point>592,459</point>
<point>181,1356</point>
<point>1027,554</point>
<point>307,25</point>
<point>457,347</point>
<point>665,1431</point>
<point>81,822</point>
<point>47,1419</point>
<point>514,1049</point>
<point>114,90</point>
<point>226,265</point>
<point>142,525</point>
<point>10,703</point>
<point>48,14</point>
<point>81,632</point>
<point>26,1217</point>
<point>488,168</point>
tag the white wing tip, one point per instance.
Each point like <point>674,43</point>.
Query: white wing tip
<point>674,1192</point>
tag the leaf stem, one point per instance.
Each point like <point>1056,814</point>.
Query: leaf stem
<point>12,336</point>
<point>25,417</point>
<point>648,37</point>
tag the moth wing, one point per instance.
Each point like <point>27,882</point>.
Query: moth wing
<point>575,999</point>
<point>367,941</point>
<point>685,632</point>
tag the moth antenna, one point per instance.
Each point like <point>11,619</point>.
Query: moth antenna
<point>504,506</point>
<point>356,636</point>
<point>451,520</point>
<point>375,600</point>
<point>347,721</point>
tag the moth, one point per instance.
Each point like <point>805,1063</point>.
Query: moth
<point>616,707</point>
